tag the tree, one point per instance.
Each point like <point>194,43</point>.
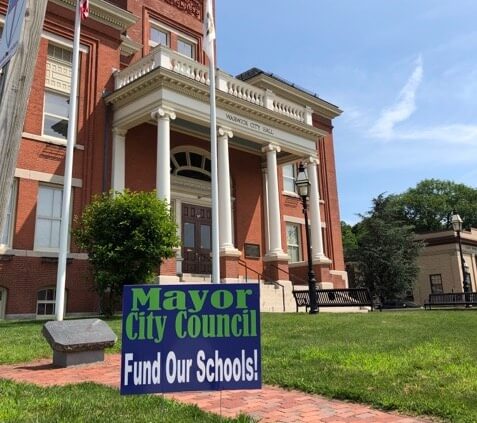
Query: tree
<point>385,259</point>
<point>429,205</point>
<point>127,236</point>
<point>350,242</point>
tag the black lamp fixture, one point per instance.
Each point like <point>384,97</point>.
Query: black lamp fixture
<point>303,188</point>
<point>457,223</point>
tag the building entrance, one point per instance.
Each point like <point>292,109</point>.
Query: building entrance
<point>196,239</point>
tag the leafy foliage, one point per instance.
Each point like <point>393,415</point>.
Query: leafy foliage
<point>385,260</point>
<point>429,205</point>
<point>127,236</point>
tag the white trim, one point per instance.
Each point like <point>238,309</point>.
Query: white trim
<point>290,194</point>
<point>38,253</point>
<point>48,140</point>
<point>33,175</point>
<point>64,42</point>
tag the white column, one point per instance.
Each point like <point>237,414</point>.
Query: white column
<point>315,214</point>
<point>163,172</point>
<point>275,235</point>
<point>225,203</point>
<point>118,173</point>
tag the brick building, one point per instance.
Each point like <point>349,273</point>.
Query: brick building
<point>143,124</point>
<point>440,267</point>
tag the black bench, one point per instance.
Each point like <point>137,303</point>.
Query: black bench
<point>353,297</point>
<point>451,299</point>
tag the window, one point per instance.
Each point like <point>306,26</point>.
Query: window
<point>55,117</point>
<point>436,284</point>
<point>48,218</point>
<point>186,48</point>
<point>289,175</point>
<point>293,242</point>
<point>191,164</point>
<point>57,93</point>
<point>45,302</point>
<point>158,36</point>
<point>6,235</point>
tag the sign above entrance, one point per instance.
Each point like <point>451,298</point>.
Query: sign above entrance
<point>254,126</point>
<point>190,337</point>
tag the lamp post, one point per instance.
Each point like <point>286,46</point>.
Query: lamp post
<point>457,226</point>
<point>303,187</point>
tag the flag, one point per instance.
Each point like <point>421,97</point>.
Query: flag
<point>209,30</point>
<point>84,8</point>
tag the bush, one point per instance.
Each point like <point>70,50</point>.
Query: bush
<point>127,236</point>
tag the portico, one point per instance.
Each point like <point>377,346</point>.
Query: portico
<point>257,129</point>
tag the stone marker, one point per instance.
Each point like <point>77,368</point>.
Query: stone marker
<point>78,341</point>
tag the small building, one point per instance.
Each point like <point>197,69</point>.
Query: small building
<point>440,265</point>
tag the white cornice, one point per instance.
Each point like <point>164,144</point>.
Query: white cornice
<point>161,77</point>
<point>104,12</point>
<point>129,47</point>
<point>318,105</point>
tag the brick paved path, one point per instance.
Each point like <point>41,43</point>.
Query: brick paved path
<point>269,405</point>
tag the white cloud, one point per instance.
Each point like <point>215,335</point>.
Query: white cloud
<point>450,134</point>
<point>402,109</point>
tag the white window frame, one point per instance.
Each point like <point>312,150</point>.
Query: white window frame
<point>36,246</point>
<point>193,47</point>
<point>59,139</point>
<point>9,218</point>
<point>298,246</point>
<point>179,36</point>
<point>160,28</point>
<point>287,178</point>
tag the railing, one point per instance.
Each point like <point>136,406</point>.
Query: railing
<point>166,58</point>
<point>260,277</point>
<point>292,278</point>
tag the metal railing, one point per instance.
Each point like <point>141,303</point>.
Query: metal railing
<point>260,277</point>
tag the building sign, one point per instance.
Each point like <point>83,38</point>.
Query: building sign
<point>249,124</point>
<point>190,337</point>
<point>12,30</point>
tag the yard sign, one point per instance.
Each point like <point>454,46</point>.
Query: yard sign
<point>190,337</point>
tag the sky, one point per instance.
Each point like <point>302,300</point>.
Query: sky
<point>404,72</point>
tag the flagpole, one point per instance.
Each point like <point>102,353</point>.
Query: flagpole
<point>215,190</point>
<point>70,144</point>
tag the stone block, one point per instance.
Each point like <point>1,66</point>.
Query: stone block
<point>78,341</point>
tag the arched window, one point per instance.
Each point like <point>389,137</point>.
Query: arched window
<point>191,162</point>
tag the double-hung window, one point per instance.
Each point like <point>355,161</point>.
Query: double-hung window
<point>159,36</point>
<point>294,242</point>
<point>186,48</point>
<point>48,218</point>
<point>289,175</point>
<point>57,92</point>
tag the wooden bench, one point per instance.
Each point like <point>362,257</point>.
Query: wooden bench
<point>353,297</point>
<point>451,299</point>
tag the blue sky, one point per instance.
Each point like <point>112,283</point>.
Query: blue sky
<point>403,71</point>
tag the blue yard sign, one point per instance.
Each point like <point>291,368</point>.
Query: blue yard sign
<point>190,337</point>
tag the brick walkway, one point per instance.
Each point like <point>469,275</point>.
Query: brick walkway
<point>269,405</point>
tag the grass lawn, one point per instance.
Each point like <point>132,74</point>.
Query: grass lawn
<point>420,362</point>
<point>92,403</point>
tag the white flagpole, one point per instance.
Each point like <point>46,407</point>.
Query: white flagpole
<point>209,38</point>
<point>215,189</point>
<point>71,140</point>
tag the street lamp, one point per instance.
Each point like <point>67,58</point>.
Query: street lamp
<point>303,187</point>
<point>457,226</point>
